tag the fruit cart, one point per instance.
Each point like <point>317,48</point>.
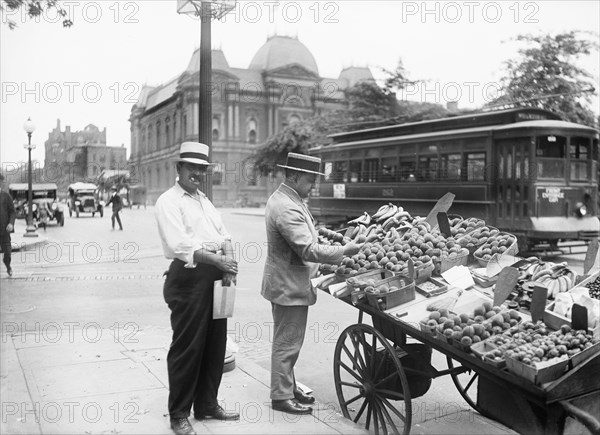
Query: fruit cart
<point>379,369</point>
<point>377,373</point>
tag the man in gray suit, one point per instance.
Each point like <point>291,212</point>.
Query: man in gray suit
<point>292,260</point>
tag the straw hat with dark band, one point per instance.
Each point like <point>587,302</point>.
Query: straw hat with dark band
<point>193,152</point>
<point>303,163</point>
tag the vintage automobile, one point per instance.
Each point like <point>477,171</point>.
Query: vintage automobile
<point>136,195</point>
<point>83,198</point>
<point>45,207</point>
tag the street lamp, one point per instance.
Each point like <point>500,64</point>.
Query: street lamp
<point>29,128</point>
<point>206,10</point>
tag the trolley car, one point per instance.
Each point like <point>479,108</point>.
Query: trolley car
<point>525,171</point>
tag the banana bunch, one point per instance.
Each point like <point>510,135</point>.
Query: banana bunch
<point>385,212</point>
<point>396,219</point>
<point>362,233</point>
<point>364,219</point>
<point>558,277</point>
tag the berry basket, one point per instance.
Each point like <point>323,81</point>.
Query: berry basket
<point>405,292</point>
<point>512,248</point>
<point>448,262</point>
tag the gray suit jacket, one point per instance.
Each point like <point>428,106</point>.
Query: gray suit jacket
<point>293,251</point>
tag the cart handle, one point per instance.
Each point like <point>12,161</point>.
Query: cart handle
<point>585,418</point>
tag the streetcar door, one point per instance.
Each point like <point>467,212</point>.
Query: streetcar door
<point>512,187</point>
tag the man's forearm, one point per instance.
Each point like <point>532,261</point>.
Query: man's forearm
<point>207,257</point>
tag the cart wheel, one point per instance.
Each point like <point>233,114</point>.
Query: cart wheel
<point>368,376</point>
<point>466,384</point>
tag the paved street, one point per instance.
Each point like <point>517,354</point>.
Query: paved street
<point>90,284</point>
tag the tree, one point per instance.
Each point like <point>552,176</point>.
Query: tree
<point>34,8</point>
<point>546,76</point>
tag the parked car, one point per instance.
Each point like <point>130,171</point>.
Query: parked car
<point>45,205</point>
<point>83,198</point>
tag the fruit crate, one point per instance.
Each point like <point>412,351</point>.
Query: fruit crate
<point>423,272</point>
<point>460,345</point>
<point>357,282</point>
<point>431,287</point>
<point>484,350</point>
<point>555,321</point>
<point>542,373</point>
<point>440,336</point>
<point>385,301</point>
<point>576,359</point>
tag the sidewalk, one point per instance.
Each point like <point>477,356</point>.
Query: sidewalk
<point>115,381</point>
<point>18,239</point>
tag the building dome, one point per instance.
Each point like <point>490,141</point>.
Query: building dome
<point>279,51</point>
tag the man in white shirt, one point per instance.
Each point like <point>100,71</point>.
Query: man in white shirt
<point>194,237</point>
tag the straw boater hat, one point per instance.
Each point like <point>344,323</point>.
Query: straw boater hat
<point>302,163</point>
<point>193,152</point>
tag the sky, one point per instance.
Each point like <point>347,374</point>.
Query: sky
<point>92,72</point>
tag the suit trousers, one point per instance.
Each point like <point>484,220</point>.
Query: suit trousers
<point>5,247</point>
<point>289,327</point>
<point>197,353</point>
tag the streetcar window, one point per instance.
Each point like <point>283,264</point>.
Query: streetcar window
<point>389,170</point>
<point>355,171</point>
<point>340,172</point>
<point>451,167</point>
<point>550,146</point>
<point>407,168</point>
<point>476,166</point>
<point>579,148</point>
<point>428,169</point>
<point>371,174</point>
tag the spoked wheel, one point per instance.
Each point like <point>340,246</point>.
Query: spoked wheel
<point>466,384</point>
<point>370,382</point>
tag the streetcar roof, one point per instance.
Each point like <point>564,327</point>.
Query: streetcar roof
<point>382,141</point>
<point>470,120</point>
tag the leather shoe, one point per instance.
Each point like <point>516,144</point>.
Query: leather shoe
<point>290,406</point>
<point>182,426</point>
<point>303,398</point>
<point>217,413</point>
<point>9,271</point>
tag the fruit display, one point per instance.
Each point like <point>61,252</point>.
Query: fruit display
<point>558,277</point>
<point>594,288</point>
<point>534,343</point>
<point>474,239</point>
<point>459,226</point>
<point>468,328</point>
<point>495,243</point>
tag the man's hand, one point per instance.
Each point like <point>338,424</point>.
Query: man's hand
<point>9,228</point>
<point>352,248</point>
<point>228,264</point>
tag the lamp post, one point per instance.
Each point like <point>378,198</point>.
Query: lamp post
<point>29,128</point>
<point>206,10</point>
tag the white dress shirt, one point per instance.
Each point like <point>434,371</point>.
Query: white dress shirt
<point>187,223</point>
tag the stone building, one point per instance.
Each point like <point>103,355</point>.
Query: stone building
<point>280,86</point>
<point>72,156</point>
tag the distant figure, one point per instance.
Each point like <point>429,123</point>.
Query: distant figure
<point>117,205</point>
<point>411,177</point>
<point>7,224</point>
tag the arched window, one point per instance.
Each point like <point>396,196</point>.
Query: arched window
<point>184,126</point>
<point>174,128</point>
<point>251,130</point>
<point>158,139</point>
<point>144,142</point>
<point>167,132</point>
<point>216,128</point>
<point>150,144</point>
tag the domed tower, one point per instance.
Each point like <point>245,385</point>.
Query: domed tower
<point>283,51</point>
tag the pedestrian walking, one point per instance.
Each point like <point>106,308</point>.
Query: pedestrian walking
<point>7,225</point>
<point>292,260</point>
<point>117,206</point>
<point>194,237</point>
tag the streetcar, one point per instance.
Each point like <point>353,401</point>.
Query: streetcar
<point>525,171</point>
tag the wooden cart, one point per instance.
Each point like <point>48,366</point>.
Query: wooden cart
<point>377,374</point>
